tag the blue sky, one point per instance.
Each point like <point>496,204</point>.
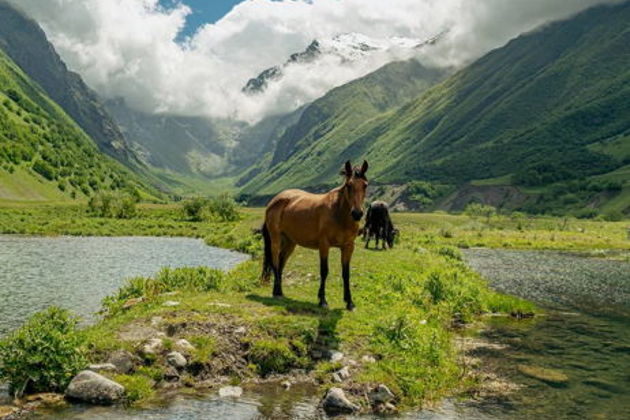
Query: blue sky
<point>203,11</point>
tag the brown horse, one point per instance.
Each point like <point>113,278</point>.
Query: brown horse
<point>316,221</point>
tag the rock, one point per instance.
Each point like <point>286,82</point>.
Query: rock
<point>317,354</point>
<point>231,391</point>
<point>107,367</point>
<point>286,385</point>
<point>335,402</point>
<point>93,388</point>
<point>335,356</point>
<point>171,374</point>
<point>381,394</point>
<point>132,302</point>
<point>152,347</point>
<point>7,410</point>
<point>43,399</point>
<point>170,303</point>
<point>240,330</point>
<point>184,345</point>
<point>122,360</point>
<point>385,408</point>
<point>368,359</point>
<point>550,376</point>
<point>176,359</point>
<point>342,374</point>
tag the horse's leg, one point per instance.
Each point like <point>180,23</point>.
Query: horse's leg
<point>275,238</point>
<point>323,273</point>
<point>346,256</point>
<point>286,249</point>
<point>367,239</point>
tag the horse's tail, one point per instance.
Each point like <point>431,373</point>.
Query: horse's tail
<point>267,267</point>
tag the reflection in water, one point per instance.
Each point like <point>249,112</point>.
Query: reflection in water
<point>77,272</point>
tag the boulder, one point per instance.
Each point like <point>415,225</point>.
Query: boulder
<point>93,388</point>
<point>184,345</point>
<point>152,347</point>
<point>122,360</point>
<point>381,394</point>
<point>231,391</point>
<point>176,359</point>
<point>335,402</point>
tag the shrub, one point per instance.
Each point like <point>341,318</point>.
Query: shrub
<point>475,210</point>
<point>43,355</point>
<point>112,204</point>
<point>137,387</point>
<point>44,169</point>
<point>222,208</point>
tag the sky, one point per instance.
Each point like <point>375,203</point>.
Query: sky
<point>192,57</point>
<point>202,12</point>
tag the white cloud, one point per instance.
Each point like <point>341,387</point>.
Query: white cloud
<point>127,48</point>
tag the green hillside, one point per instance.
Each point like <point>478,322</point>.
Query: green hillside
<point>44,155</point>
<point>549,107</point>
<point>325,133</point>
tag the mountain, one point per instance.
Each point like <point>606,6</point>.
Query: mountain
<point>25,42</point>
<point>44,154</point>
<point>347,48</point>
<point>324,128</point>
<point>552,105</point>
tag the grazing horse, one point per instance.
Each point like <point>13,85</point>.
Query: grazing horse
<point>315,221</point>
<point>379,225</point>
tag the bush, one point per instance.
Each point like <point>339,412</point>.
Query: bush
<point>44,169</point>
<point>112,204</point>
<point>43,355</point>
<point>475,210</point>
<point>222,208</point>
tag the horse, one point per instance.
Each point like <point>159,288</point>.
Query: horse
<point>315,221</point>
<point>378,224</point>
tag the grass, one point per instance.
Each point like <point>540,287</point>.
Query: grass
<point>407,298</point>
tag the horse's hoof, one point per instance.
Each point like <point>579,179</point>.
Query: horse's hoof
<point>278,295</point>
<point>350,307</point>
<point>323,305</point>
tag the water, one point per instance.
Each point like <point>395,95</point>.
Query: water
<point>77,272</point>
<point>585,335</point>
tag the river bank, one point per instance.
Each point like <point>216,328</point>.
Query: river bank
<point>423,283</point>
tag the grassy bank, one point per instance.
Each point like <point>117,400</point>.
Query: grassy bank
<point>408,301</point>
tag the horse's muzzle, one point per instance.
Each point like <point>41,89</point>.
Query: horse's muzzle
<point>357,215</point>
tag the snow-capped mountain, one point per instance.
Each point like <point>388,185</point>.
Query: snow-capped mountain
<point>348,48</point>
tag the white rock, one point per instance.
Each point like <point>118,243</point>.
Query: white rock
<point>381,394</point>
<point>176,360</point>
<point>240,330</point>
<point>170,303</point>
<point>184,345</point>
<point>108,367</point>
<point>335,356</point>
<point>93,388</point>
<point>231,391</point>
<point>152,346</point>
<point>368,359</point>
<point>335,402</point>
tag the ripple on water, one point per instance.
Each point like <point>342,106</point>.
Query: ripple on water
<point>77,272</point>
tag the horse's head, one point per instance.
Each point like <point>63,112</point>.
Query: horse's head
<point>354,188</point>
<point>391,237</point>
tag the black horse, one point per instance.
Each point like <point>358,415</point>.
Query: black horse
<point>379,225</point>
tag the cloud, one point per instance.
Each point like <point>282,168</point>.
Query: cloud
<point>128,48</point>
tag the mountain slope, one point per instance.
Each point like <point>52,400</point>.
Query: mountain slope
<point>532,109</point>
<point>44,155</point>
<point>321,136</point>
<point>25,42</point>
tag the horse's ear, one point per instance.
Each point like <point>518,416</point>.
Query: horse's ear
<point>364,167</point>
<point>347,170</point>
